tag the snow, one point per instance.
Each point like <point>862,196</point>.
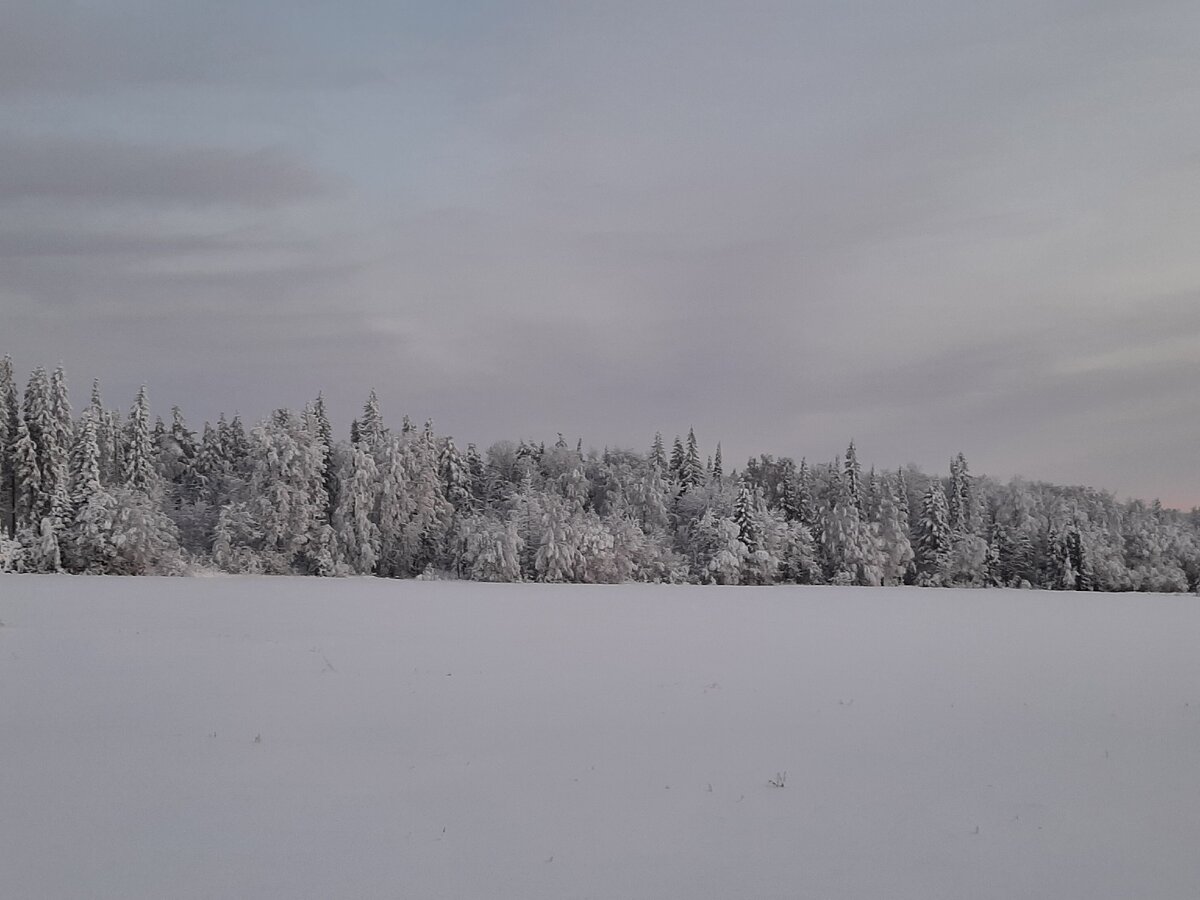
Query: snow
<point>302,737</point>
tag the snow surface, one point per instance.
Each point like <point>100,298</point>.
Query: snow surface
<point>289,737</point>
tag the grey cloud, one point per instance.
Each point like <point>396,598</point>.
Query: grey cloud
<point>92,171</point>
<point>63,47</point>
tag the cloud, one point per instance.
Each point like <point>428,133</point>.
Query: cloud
<point>64,169</point>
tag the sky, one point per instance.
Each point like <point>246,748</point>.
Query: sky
<point>929,226</point>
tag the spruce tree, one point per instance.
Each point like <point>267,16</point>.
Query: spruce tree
<point>39,421</point>
<point>456,477</point>
<point>717,470</point>
<point>357,535</point>
<point>745,516</point>
<point>371,430</point>
<point>658,456</point>
<point>690,472</point>
<point>27,480</point>
<point>329,468</point>
<point>10,410</point>
<point>140,473</point>
<point>678,456</point>
<point>853,480</point>
<point>959,499</point>
<point>802,502</point>
<point>88,543</point>
<point>898,557</point>
<point>933,535</point>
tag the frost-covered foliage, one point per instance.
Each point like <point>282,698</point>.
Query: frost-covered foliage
<point>134,494</point>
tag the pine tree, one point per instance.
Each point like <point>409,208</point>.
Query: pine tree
<point>431,512</point>
<point>658,456</point>
<point>678,457</point>
<point>744,514</point>
<point>528,514</point>
<point>871,497</point>
<point>803,508</point>
<point>371,430</point>
<point>898,557</point>
<point>717,470</point>
<point>88,541</point>
<point>329,468</point>
<point>10,410</point>
<point>998,555</point>
<point>557,555</point>
<point>357,535</point>
<point>933,535</point>
<point>690,471</point>
<point>1078,557</point>
<point>27,479</point>
<point>729,558</point>
<point>396,508</point>
<point>902,504</point>
<point>853,480</point>
<point>140,474</point>
<point>650,501</point>
<point>456,477</point>
<point>475,472</point>
<point>959,500</point>
<point>491,549</point>
<point>39,421</point>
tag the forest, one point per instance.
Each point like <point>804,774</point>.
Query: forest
<point>106,492</point>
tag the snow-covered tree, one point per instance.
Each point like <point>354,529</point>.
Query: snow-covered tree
<point>140,471</point>
<point>88,542</point>
<point>898,557</point>
<point>933,536</point>
<point>10,411</point>
<point>728,561</point>
<point>354,526</point>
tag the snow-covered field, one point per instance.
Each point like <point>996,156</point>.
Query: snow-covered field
<point>240,738</point>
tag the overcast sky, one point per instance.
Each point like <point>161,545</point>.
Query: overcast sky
<point>930,226</point>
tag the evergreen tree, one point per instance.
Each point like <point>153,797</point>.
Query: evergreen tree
<point>39,420</point>
<point>690,471</point>
<point>959,501</point>
<point>717,470</point>
<point>803,509</point>
<point>528,514</point>
<point>557,555</point>
<point>456,477</point>
<point>678,460</point>
<point>727,563</point>
<point>998,555</point>
<point>140,474</point>
<point>325,439</point>
<point>88,543</point>
<point>357,535</point>
<point>902,504</point>
<point>853,479</point>
<point>27,479</point>
<point>898,557</point>
<point>62,438</point>
<point>475,472</point>
<point>658,456</point>
<point>371,430</point>
<point>933,536</point>
<point>10,410</point>
<point>491,549</point>
<point>744,515</point>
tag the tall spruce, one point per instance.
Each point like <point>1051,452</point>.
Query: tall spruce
<point>933,535</point>
<point>853,479</point>
<point>10,410</point>
<point>140,473</point>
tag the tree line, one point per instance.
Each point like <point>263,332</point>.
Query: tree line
<point>103,492</point>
